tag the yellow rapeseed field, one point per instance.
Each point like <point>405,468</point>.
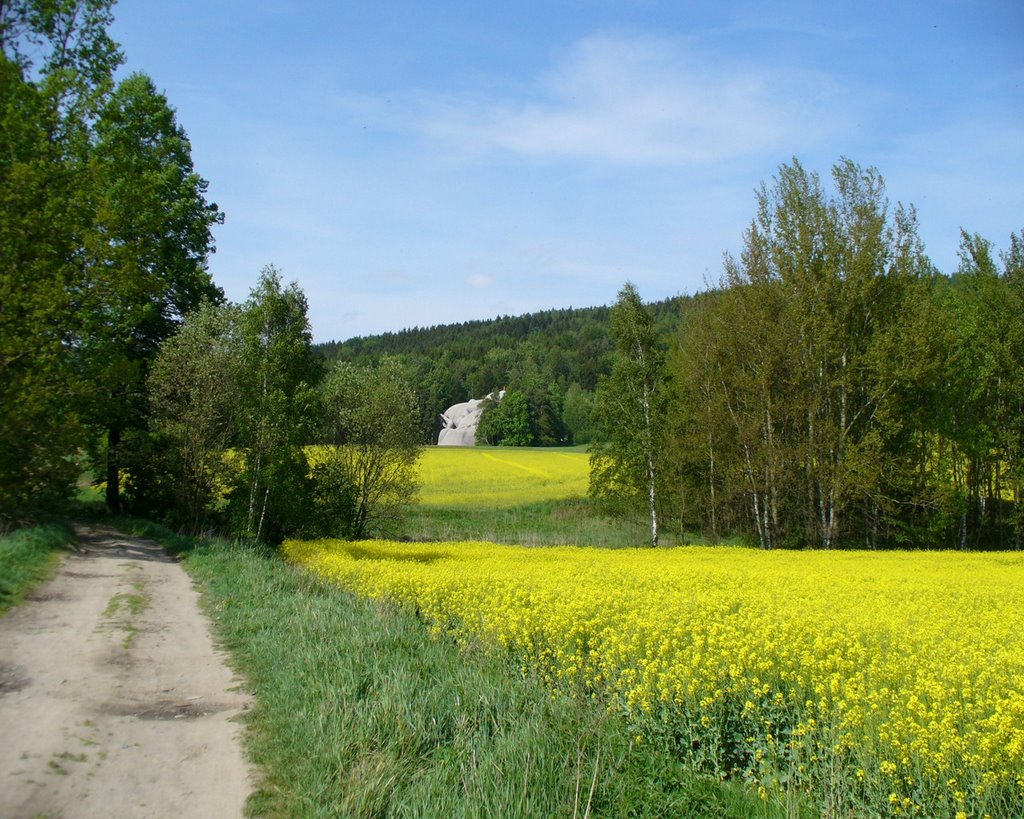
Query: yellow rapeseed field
<point>500,478</point>
<point>880,683</point>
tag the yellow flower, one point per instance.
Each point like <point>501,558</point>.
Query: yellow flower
<point>903,662</point>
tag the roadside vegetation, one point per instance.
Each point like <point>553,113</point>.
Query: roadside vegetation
<point>853,680</point>
<point>360,711</point>
<point>28,557</point>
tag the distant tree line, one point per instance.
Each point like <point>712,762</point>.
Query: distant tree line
<point>549,362</point>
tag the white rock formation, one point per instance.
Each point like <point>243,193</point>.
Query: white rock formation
<point>461,420</point>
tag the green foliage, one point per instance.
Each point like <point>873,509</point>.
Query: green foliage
<point>148,248</point>
<point>626,465</point>
<point>103,248</point>
<point>366,475</point>
<point>838,391</point>
<point>193,390</point>
<point>578,414</point>
<point>56,63</point>
<point>539,354</point>
<point>238,398</point>
<point>276,413</point>
<point>506,422</point>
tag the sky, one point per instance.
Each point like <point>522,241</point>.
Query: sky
<point>410,164</point>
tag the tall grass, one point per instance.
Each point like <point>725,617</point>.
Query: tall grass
<point>360,713</point>
<point>28,557</point>
<point>546,523</point>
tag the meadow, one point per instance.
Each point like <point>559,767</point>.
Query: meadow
<point>862,683</point>
<point>500,477</point>
<point>517,495</point>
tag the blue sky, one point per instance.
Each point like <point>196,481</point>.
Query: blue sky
<point>412,164</point>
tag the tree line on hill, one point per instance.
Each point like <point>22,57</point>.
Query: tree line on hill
<point>550,362</point>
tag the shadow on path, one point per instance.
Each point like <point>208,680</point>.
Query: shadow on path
<point>103,542</point>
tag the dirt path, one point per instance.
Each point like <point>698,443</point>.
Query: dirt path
<point>113,701</point>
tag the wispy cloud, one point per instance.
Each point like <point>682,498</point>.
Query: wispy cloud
<point>640,100</point>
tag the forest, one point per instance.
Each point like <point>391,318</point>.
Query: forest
<point>553,359</point>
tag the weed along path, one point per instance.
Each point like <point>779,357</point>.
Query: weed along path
<point>113,701</point>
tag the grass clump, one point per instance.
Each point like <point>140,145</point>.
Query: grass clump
<point>29,557</point>
<point>359,712</point>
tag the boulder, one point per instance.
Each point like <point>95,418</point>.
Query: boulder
<point>460,421</point>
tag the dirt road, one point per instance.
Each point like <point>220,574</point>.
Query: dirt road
<point>113,701</point>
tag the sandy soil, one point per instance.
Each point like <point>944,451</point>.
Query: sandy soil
<point>113,701</point>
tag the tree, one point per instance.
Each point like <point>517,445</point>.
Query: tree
<point>630,411</point>
<point>56,64</point>
<point>148,247</point>
<point>577,413</point>
<point>194,393</point>
<point>983,377</point>
<point>366,474</point>
<point>276,412</point>
<point>506,422</point>
<point>811,358</point>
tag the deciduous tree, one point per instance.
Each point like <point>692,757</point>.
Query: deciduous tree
<point>148,251</point>
<point>366,474</point>
<point>625,464</point>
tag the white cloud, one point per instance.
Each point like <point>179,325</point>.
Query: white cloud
<point>479,281</point>
<point>644,100</point>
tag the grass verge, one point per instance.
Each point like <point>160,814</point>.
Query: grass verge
<point>359,712</point>
<point>29,557</point>
<point>575,521</point>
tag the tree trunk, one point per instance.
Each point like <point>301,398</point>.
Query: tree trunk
<point>711,487</point>
<point>113,494</point>
<point>651,500</point>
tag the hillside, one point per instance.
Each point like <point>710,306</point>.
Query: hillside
<point>554,357</point>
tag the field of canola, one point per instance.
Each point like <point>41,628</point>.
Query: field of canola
<point>499,478</point>
<point>878,683</point>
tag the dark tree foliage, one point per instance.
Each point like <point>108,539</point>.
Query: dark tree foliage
<point>103,247</point>
<point>541,355</point>
<point>149,244</point>
<point>56,66</point>
<point>506,422</point>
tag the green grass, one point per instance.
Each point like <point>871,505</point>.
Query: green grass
<point>574,521</point>
<point>29,557</point>
<point>360,713</point>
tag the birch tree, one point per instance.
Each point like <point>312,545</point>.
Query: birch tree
<point>277,409</point>
<point>625,465</point>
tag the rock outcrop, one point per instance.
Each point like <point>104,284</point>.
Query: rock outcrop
<point>461,420</point>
